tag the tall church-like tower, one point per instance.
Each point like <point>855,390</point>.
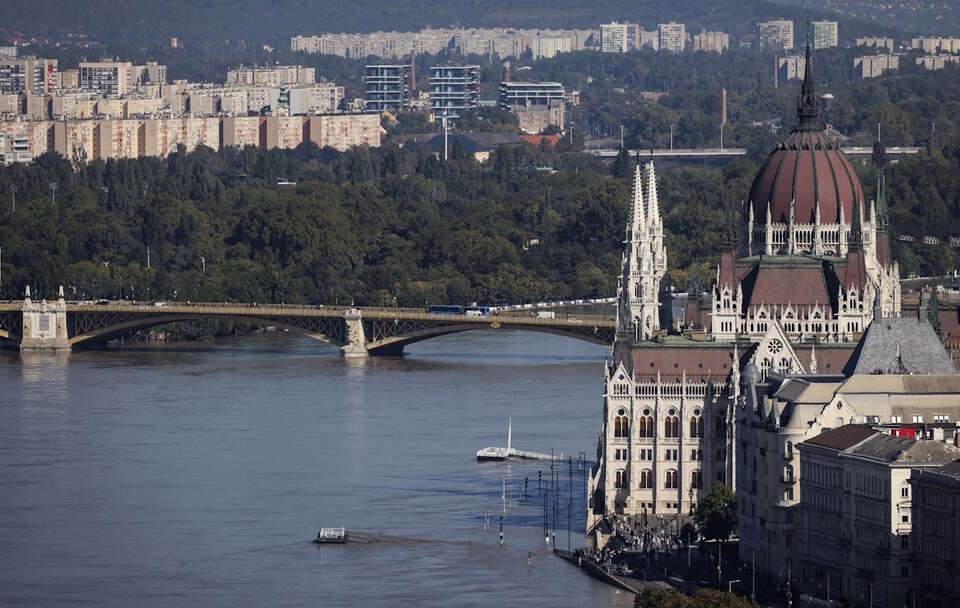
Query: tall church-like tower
<point>644,261</point>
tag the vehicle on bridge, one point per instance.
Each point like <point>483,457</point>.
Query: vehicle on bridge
<point>456,309</point>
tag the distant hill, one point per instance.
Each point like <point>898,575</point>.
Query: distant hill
<point>213,21</point>
<point>914,16</point>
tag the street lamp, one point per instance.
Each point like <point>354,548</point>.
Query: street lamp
<point>719,567</point>
<point>53,193</point>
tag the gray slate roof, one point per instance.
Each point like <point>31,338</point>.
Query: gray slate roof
<point>921,352</point>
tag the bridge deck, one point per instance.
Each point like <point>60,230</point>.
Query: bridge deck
<point>207,309</point>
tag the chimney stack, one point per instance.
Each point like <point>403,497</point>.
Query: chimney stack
<point>413,71</point>
<point>723,107</point>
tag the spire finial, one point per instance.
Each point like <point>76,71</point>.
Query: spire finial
<point>808,105</point>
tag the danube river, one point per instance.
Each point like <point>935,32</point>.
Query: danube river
<point>198,474</point>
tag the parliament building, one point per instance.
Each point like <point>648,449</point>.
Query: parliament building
<point>809,270</point>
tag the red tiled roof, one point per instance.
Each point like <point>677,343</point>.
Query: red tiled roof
<point>671,362</point>
<point>800,286</point>
<point>809,168</point>
<point>728,270</point>
<point>536,140</point>
<point>856,271</point>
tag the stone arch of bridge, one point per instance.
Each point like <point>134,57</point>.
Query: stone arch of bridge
<point>395,344</point>
<point>117,330</point>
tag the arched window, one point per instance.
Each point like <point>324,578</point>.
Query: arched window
<point>696,480</point>
<point>696,424</point>
<point>622,479</point>
<point>616,427</point>
<point>671,480</point>
<point>646,479</point>
<point>674,426</point>
<point>646,424</point>
<point>624,427</point>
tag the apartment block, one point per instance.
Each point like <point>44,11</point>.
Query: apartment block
<point>387,87</point>
<point>117,139</point>
<point>619,37</point>
<point>529,94</point>
<point>454,89</point>
<point>824,34</point>
<point>649,39</point>
<point>935,508</point>
<point>76,105</point>
<point>934,45</point>
<point>343,131</point>
<point>233,103</point>
<point>200,132</point>
<point>876,42</point>
<point>67,80</point>
<point>855,513</point>
<point>74,139</point>
<point>504,42</point>
<point>711,42</point>
<point>673,37</point>
<point>9,106</point>
<point>872,66</point>
<point>105,77</point>
<point>320,98</point>
<point>776,34</point>
<point>547,47</point>
<point>151,73</point>
<point>241,131</point>
<point>23,141</point>
<point>272,76</point>
<point>937,62</point>
<point>27,74</point>
<point>791,67</point>
<point>284,132</point>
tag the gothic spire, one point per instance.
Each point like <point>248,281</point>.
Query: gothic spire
<point>637,222</point>
<point>856,228</point>
<point>881,218</point>
<point>808,104</point>
<point>653,205</point>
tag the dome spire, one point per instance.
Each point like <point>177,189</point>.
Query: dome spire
<point>808,105</point>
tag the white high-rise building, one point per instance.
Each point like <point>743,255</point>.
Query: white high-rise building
<point>824,34</point>
<point>776,34</point>
<point>618,37</point>
<point>673,37</point>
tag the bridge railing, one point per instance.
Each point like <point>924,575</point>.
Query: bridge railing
<point>252,309</point>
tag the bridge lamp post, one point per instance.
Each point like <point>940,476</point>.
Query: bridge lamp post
<point>53,193</point>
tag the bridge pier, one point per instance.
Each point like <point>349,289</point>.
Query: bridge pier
<point>44,324</point>
<point>356,345</point>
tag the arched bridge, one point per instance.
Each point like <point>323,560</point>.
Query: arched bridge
<point>357,331</point>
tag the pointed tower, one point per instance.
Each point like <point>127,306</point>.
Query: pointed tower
<point>808,104</point>
<point>645,261</point>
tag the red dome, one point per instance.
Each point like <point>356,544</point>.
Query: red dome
<point>809,168</point>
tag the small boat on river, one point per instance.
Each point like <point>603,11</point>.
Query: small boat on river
<point>331,536</point>
<point>508,453</point>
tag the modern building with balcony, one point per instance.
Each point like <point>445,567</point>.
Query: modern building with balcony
<point>454,89</point>
<point>529,93</point>
<point>387,87</point>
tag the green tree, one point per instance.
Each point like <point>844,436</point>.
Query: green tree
<point>716,514</point>
<point>621,165</point>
